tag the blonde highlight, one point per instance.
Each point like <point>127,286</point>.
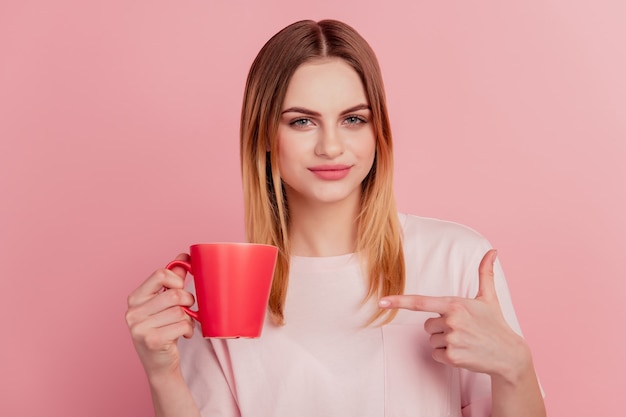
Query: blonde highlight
<point>266,208</point>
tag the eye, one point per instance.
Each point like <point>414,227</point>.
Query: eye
<point>302,122</point>
<point>355,120</point>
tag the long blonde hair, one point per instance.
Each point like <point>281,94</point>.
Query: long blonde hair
<point>266,208</point>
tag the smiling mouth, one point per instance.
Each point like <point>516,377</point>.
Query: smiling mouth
<point>331,172</point>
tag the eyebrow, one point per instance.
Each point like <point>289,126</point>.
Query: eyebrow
<point>316,114</point>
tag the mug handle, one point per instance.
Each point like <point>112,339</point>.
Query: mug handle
<point>187,267</point>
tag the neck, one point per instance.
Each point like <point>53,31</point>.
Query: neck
<point>323,229</point>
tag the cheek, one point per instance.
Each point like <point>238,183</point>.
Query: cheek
<point>283,155</point>
<point>288,155</point>
<point>366,149</point>
<point>293,148</point>
<point>368,156</point>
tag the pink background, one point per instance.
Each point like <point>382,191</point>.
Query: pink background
<point>118,149</point>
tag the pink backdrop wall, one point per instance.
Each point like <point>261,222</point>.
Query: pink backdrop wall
<point>118,148</point>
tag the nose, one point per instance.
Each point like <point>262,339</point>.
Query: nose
<point>329,143</point>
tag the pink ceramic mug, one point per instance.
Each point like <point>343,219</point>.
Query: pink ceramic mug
<point>233,282</point>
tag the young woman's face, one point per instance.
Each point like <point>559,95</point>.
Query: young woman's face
<point>326,142</point>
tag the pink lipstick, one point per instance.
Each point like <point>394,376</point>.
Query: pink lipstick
<point>330,172</point>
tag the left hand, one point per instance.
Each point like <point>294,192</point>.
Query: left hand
<point>469,333</point>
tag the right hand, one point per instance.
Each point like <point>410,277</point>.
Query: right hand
<point>156,318</point>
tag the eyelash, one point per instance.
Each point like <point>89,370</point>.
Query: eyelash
<point>358,119</point>
<point>298,122</point>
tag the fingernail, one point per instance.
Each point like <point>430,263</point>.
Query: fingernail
<point>495,256</point>
<point>384,303</point>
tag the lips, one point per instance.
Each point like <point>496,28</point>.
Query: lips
<point>330,172</point>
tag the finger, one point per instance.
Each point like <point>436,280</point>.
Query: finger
<point>441,355</point>
<point>486,284</point>
<point>158,339</point>
<point>438,341</point>
<point>179,270</point>
<point>435,325</point>
<point>176,330</point>
<point>157,304</point>
<point>416,303</point>
<point>189,333</point>
<point>166,317</point>
<point>154,284</point>
<point>161,302</point>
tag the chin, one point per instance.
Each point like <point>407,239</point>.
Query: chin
<point>335,198</point>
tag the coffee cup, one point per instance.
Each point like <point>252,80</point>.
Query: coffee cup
<point>232,284</point>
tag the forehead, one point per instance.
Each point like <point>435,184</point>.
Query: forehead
<point>325,84</point>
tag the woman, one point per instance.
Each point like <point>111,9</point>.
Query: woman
<point>371,312</point>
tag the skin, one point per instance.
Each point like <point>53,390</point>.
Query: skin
<point>156,321</point>
<point>470,333</point>
<point>325,121</point>
<point>473,334</point>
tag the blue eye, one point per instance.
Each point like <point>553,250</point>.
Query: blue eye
<point>355,120</point>
<point>301,122</point>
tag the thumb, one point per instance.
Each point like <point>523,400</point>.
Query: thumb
<point>486,284</point>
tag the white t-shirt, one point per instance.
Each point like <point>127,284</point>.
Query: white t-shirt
<point>324,362</point>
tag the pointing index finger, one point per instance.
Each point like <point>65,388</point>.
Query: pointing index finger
<point>425,303</point>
